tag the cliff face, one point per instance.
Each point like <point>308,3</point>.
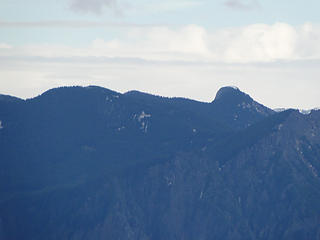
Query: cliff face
<point>90,163</point>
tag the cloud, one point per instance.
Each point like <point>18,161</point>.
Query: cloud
<point>242,4</point>
<point>152,6</point>
<point>5,46</point>
<point>70,24</point>
<point>93,6</point>
<point>171,5</point>
<point>257,43</point>
<point>188,61</point>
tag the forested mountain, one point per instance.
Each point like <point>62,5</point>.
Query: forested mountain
<point>91,163</point>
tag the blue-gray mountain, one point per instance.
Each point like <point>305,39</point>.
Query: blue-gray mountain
<point>91,163</point>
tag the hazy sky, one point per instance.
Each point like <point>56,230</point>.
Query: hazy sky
<point>269,49</point>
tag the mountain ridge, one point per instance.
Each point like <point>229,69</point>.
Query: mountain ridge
<point>7,97</point>
<point>91,163</point>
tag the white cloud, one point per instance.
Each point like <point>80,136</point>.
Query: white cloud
<point>242,4</point>
<point>188,61</point>
<point>257,43</point>
<point>170,5</point>
<point>5,46</point>
<point>151,6</point>
<point>158,43</point>
<point>249,44</point>
<point>93,6</point>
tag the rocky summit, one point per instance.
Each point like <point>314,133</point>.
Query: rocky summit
<point>90,163</point>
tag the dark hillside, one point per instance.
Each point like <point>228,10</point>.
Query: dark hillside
<point>91,163</point>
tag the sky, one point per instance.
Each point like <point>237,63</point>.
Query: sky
<point>185,48</point>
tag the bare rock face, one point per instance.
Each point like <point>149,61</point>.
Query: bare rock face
<point>90,163</point>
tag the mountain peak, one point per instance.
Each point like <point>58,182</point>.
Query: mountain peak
<point>229,92</point>
<point>238,108</point>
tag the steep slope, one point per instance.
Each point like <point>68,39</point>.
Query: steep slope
<point>237,108</point>
<point>268,190</point>
<point>91,163</point>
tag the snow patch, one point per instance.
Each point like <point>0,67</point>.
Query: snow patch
<point>170,180</point>
<point>279,109</point>
<point>121,128</point>
<point>141,119</point>
<point>245,105</point>
<point>312,169</point>
<point>304,112</point>
<point>143,115</point>
<point>109,98</point>
<point>235,117</point>
<point>307,112</point>
<point>259,109</point>
<point>144,127</point>
<point>234,87</point>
